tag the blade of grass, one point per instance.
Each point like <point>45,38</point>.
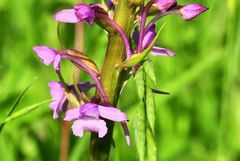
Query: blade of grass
<point>16,102</point>
<point>23,112</point>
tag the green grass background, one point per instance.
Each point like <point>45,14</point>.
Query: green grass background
<point>198,121</point>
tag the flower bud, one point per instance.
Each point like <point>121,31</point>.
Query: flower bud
<point>191,11</point>
<point>164,5</point>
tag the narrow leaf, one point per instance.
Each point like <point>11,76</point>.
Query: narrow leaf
<point>140,82</point>
<point>23,112</point>
<point>140,132</point>
<point>16,102</point>
<point>150,108</point>
<point>139,58</point>
<point>151,146</point>
<point>148,67</point>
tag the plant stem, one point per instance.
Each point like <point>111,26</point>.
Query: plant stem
<point>110,77</point>
<point>64,141</point>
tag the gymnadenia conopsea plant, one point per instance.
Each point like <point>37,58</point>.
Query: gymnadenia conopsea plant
<point>132,34</point>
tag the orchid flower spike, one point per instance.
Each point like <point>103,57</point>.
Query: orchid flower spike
<point>88,118</point>
<point>80,12</point>
<point>59,99</point>
<point>147,40</point>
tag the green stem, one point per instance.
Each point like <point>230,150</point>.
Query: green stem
<point>110,77</point>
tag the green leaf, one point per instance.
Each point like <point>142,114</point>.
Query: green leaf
<point>148,67</point>
<point>140,132</point>
<point>151,146</point>
<point>23,112</point>
<point>139,58</point>
<point>150,108</point>
<point>16,102</point>
<point>145,119</point>
<point>140,82</point>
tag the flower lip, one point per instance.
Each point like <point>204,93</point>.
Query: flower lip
<point>98,126</point>
<point>88,117</point>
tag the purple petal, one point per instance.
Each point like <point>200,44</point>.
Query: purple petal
<point>126,132</point>
<point>111,113</point>
<point>94,125</point>
<point>85,86</point>
<point>164,5</point>
<point>58,96</point>
<point>89,109</point>
<point>157,51</point>
<point>66,16</point>
<point>85,13</point>
<point>57,63</point>
<point>149,36</point>
<point>136,35</point>
<point>110,5</point>
<point>82,86</point>
<point>191,11</point>
<point>46,54</point>
<point>72,114</point>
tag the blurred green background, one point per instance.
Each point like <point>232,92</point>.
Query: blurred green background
<point>198,121</point>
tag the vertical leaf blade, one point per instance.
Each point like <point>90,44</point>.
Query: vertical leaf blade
<point>140,83</point>
<point>151,146</point>
<point>140,133</point>
<point>149,70</point>
<point>150,108</point>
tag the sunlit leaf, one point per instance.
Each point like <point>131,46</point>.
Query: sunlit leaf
<point>145,119</point>
<point>139,58</point>
<point>150,108</point>
<point>150,71</point>
<point>140,80</point>
<point>140,132</point>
